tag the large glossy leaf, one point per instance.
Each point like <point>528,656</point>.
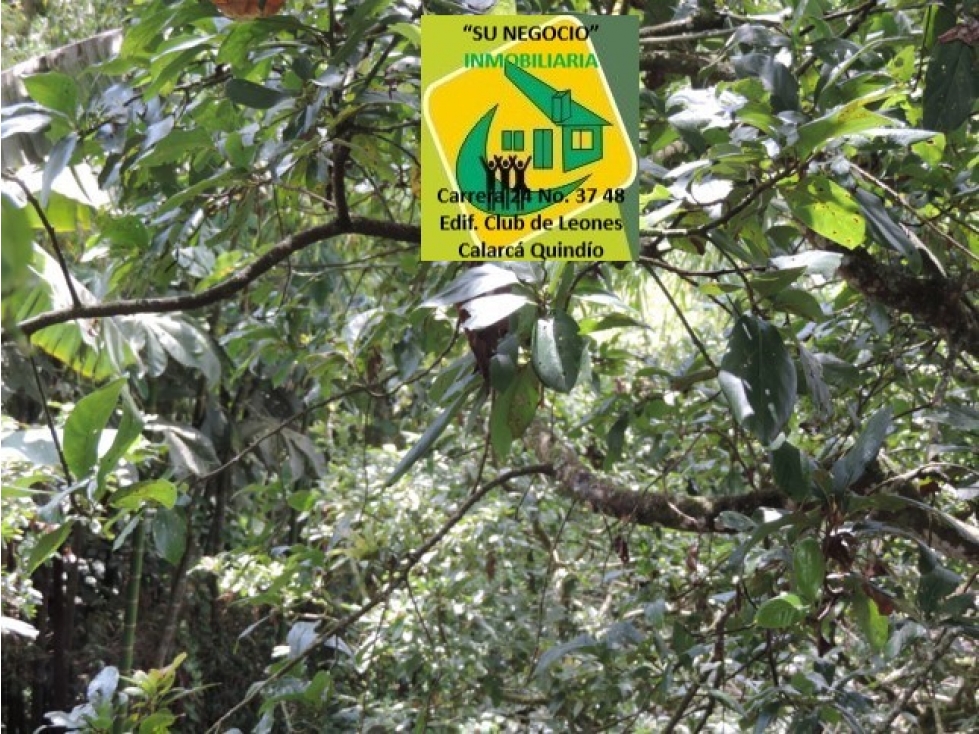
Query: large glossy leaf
<point>488,310</point>
<point>792,471</point>
<point>936,582</point>
<point>851,467</point>
<point>182,340</point>
<point>827,208</point>
<point>97,352</point>
<point>471,283</point>
<point>169,535</point>
<point>758,378</point>
<point>514,410</point>
<point>553,654</point>
<point>58,159</point>
<point>85,425</point>
<point>951,86</point>
<point>557,350</point>
<point>816,388</point>
<point>885,230</point>
<point>28,124</point>
<point>776,77</point>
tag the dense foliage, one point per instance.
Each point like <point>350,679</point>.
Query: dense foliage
<point>259,473</point>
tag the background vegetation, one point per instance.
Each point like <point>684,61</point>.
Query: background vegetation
<point>254,476</point>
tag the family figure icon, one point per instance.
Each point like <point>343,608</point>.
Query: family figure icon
<point>498,170</point>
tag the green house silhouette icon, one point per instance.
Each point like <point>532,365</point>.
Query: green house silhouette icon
<point>581,129</point>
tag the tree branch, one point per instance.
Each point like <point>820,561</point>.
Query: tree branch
<point>701,514</point>
<point>237,282</point>
<point>938,302</point>
<point>674,62</point>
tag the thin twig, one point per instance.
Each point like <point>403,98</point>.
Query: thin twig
<point>683,319</point>
<point>50,421</point>
<point>52,235</point>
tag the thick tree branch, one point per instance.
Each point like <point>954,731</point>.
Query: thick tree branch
<point>701,514</point>
<point>233,284</point>
<point>675,62</point>
<point>938,302</point>
<point>678,512</point>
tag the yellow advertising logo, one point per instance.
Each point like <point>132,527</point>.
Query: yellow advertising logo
<point>526,151</point>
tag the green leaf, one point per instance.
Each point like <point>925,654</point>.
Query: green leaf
<point>514,410</point>
<point>850,468</point>
<point>776,76</point>
<point>430,436</point>
<point>85,425</point>
<point>872,624</point>
<point>16,244</point>
<point>736,521</point>
<point>615,440</point>
<point>758,378</point>
<point>58,159</point>
<point>191,452</point>
<point>183,341</point>
<point>160,491</point>
<point>169,535</point>
<point>472,283</point>
<point>242,39</point>
<point>808,568</point>
<point>773,283</point>
<point>851,118</point>
<point>951,86</point>
<point>158,722</point>
<point>783,611</point>
<point>54,90</point>
<point>557,350</point>
<point>410,31</point>
<point>792,471</point>
<point>936,582</point>
<point>885,230</point>
<point>356,27</point>
<point>827,209</point>
<point>504,7</point>
<point>253,95</point>
<point>553,654</point>
<point>800,302</point>
<point>488,310</point>
<point>129,430</point>
<point>29,124</point>
<point>47,545</point>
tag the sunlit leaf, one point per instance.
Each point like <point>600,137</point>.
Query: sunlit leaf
<point>781,612</point>
<point>828,209</point>
<point>85,424</point>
